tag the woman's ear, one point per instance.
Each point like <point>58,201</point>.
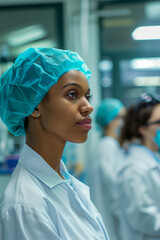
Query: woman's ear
<point>36,113</point>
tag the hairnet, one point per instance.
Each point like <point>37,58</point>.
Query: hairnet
<point>25,84</point>
<point>108,110</point>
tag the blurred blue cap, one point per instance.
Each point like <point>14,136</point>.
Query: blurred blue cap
<point>25,84</point>
<point>108,110</point>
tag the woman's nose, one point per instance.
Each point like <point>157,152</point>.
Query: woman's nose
<point>86,107</point>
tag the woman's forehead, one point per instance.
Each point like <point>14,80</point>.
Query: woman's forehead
<point>73,76</point>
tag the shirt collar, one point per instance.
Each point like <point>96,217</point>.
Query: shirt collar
<point>110,139</point>
<point>35,164</point>
<point>147,154</point>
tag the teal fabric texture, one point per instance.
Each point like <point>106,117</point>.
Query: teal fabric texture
<point>26,83</point>
<point>108,110</point>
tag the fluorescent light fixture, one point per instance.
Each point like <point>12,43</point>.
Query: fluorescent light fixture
<point>25,35</point>
<point>105,65</point>
<point>147,81</point>
<point>145,63</point>
<point>146,33</point>
<point>152,10</point>
<point>106,82</point>
<point>50,43</point>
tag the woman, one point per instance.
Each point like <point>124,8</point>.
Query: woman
<point>45,95</point>
<point>104,162</point>
<point>139,176</point>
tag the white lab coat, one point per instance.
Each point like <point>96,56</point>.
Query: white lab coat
<point>39,205</point>
<point>139,195</point>
<point>102,170</point>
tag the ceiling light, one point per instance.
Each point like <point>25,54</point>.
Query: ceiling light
<point>152,10</point>
<point>48,43</point>
<point>105,65</point>
<point>146,33</point>
<point>25,35</point>
<point>147,81</point>
<point>145,63</point>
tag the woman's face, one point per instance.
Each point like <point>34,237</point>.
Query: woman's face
<point>66,112</point>
<point>150,131</point>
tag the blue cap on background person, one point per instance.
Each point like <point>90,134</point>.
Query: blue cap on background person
<point>25,84</point>
<point>107,111</point>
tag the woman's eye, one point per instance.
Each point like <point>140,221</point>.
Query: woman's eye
<point>72,94</point>
<point>89,97</point>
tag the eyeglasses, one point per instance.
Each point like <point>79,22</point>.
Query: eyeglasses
<point>147,101</point>
<point>152,123</point>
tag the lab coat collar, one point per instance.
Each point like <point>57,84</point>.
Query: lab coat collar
<point>35,164</point>
<point>147,154</point>
<point>82,190</point>
<point>111,140</point>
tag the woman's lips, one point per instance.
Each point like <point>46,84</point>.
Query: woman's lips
<point>85,123</point>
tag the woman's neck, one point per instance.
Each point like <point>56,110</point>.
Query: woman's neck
<point>49,147</point>
<point>151,145</point>
<point>110,133</point>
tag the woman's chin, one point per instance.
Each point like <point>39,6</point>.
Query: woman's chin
<point>79,140</point>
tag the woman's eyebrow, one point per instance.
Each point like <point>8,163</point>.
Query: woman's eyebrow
<point>70,84</point>
<point>75,84</point>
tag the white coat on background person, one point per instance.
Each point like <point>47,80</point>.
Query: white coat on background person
<point>139,175</point>
<point>104,161</point>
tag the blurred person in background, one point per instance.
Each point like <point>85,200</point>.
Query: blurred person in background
<point>104,161</point>
<point>45,96</point>
<point>139,175</point>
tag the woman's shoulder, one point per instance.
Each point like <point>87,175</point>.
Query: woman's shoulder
<point>21,189</point>
<point>109,143</point>
<point>138,162</point>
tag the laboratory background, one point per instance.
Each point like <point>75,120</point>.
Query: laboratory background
<point>113,37</point>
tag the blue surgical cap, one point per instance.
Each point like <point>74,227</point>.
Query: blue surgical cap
<point>26,83</point>
<point>108,110</point>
